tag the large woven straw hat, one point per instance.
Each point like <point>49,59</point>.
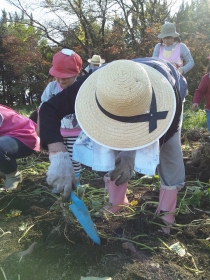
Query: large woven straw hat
<point>96,59</point>
<point>168,30</point>
<point>125,105</point>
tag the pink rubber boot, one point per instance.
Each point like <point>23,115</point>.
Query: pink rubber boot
<point>117,195</point>
<point>167,203</point>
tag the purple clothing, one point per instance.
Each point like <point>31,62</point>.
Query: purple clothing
<point>184,54</point>
<point>172,56</point>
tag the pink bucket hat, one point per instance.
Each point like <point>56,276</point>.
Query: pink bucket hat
<point>66,64</point>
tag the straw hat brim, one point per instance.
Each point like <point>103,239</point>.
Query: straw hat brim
<point>119,135</point>
<point>96,62</point>
<point>173,34</point>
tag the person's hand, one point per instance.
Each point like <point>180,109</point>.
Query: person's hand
<point>124,165</point>
<point>180,70</point>
<point>61,174</point>
<point>195,107</point>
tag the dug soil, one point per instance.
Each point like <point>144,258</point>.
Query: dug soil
<point>40,239</point>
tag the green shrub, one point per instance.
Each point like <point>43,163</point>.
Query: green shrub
<point>193,119</point>
<point>25,110</point>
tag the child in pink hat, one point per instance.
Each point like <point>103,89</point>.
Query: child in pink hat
<point>66,66</point>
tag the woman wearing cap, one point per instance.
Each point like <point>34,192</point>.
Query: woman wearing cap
<point>95,61</point>
<point>66,66</point>
<point>121,109</point>
<point>171,49</point>
<point>203,91</point>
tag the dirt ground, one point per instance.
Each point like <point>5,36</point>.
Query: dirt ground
<point>40,238</point>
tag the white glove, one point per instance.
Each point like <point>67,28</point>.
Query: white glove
<point>124,166</point>
<point>195,107</point>
<point>61,174</point>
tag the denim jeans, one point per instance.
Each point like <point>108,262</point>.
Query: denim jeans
<point>10,150</point>
<point>208,119</point>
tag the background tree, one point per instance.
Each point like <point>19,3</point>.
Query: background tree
<point>192,21</point>
<point>114,29</point>
<point>22,63</point>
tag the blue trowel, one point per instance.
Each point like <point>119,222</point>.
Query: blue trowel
<point>82,214</point>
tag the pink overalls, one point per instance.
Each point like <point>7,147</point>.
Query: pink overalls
<point>172,56</point>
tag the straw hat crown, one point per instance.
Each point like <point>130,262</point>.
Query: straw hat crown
<point>129,78</point>
<point>125,105</point>
<point>168,30</point>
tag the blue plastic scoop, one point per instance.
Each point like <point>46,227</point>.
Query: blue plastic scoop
<point>82,214</point>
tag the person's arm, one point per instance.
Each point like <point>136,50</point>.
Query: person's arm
<point>48,92</point>
<point>156,50</point>
<point>46,95</point>
<point>200,92</point>
<point>187,58</point>
<point>60,174</point>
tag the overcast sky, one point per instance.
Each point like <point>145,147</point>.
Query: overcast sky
<point>10,8</point>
